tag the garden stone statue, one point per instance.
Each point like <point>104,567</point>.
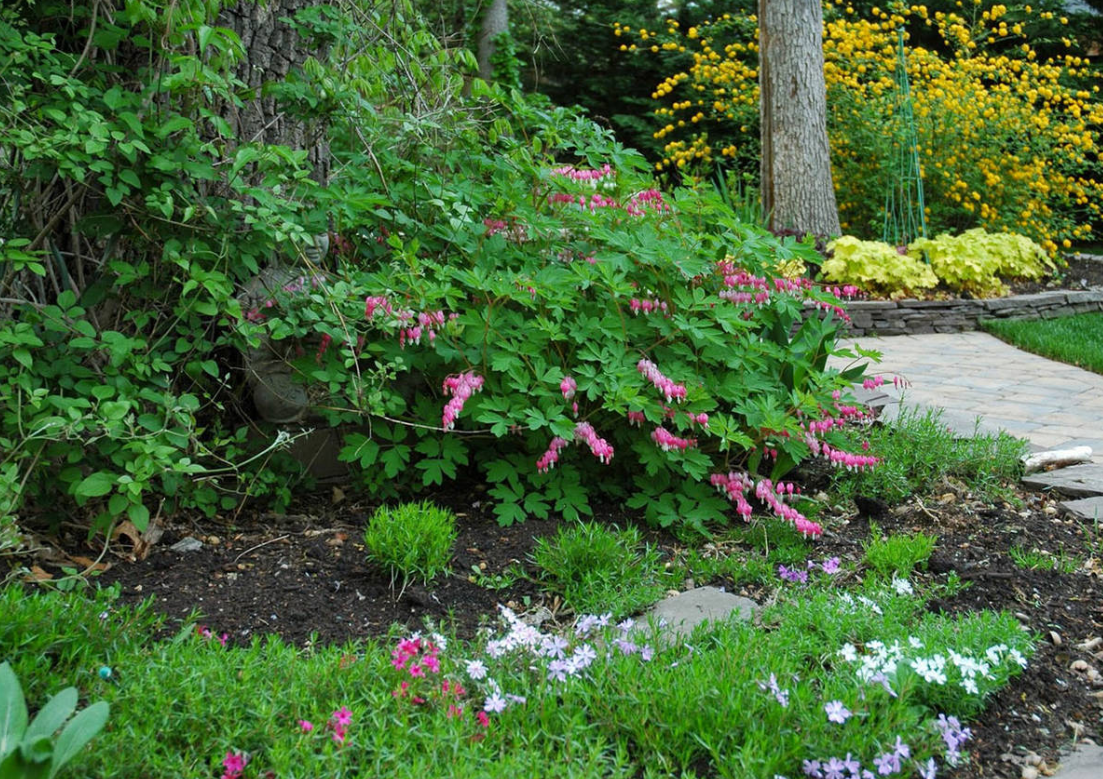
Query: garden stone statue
<point>277,396</point>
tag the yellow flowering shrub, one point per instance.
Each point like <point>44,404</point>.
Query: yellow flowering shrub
<point>1006,141</point>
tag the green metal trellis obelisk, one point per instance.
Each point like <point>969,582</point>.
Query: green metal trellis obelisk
<point>905,213</point>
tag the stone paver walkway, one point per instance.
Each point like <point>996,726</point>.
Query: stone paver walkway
<point>973,375</point>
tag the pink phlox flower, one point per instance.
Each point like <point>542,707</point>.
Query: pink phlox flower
<point>454,711</point>
<point>233,765</point>
<point>306,725</point>
<point>342,717</point>
<point>483,718</point>
<point>340,733</point>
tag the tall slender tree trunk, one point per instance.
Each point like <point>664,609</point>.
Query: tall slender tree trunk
<point>797,188</point>
<point>495,22</point>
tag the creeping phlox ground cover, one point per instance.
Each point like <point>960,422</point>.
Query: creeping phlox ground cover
<point>834,679</point>
<point>831,685</point>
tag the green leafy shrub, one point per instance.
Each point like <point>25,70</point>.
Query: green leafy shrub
<point>31,751</point>
<point>412,540</point>
<point>876,267</point>
<point>484,263</point>
<point>599,569</point>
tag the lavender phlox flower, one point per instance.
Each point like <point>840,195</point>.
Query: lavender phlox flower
<point>831,566</point>
<point>902,750</point>
<point>553,646</point>
<point>476,670</point>
<point>812,768</point>
<point>626,647</point>
<point>558,670</point>
<point>792,574</point>
<point>837,712</point>
<point>781,695</point>
<point>927,771</point>
<point>495,703</point>
<point>887,763</point>
<point>834,769</point>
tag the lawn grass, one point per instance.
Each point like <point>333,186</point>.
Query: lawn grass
<point>1076,340</point>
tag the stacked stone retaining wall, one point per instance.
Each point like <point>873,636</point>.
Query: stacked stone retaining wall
<point>912,317</point>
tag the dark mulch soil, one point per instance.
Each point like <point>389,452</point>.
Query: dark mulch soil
<point>303,576</point>
<point>1081,273</point>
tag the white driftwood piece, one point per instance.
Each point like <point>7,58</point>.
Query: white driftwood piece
<point>1057,457</point>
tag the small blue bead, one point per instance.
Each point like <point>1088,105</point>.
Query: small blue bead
<point>105,673</point>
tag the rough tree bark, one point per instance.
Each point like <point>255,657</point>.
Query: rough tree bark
<point>495,22</point>
<point>272,50</point>
<point>797,188</point>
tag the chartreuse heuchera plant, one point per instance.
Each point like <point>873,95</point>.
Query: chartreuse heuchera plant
<point>975,262</point>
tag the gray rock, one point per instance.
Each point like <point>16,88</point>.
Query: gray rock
<point>1090,509</point>
<point>1085,762</point>
<point>1079,481</point>
<point>187,544</point>
<point>686,610</point>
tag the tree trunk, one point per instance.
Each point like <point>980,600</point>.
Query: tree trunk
<point>272,50</point>
<point>495,22</point>
<point>797,189</point>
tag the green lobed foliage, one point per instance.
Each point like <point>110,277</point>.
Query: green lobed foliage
<point>977,260</point>
<point>122,372</point>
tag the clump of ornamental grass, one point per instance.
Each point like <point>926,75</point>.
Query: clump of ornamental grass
<point>598,568</point>
<point>411,541</point>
